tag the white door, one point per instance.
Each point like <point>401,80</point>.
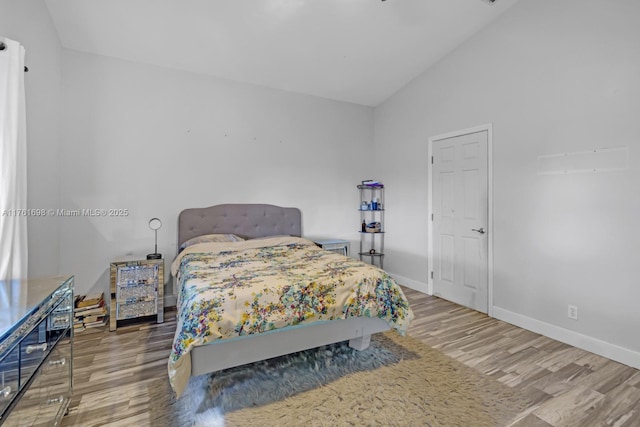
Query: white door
<point>460,219</point>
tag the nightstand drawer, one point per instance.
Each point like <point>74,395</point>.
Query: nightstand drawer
<point>138,309</point>
<point>128,294</point>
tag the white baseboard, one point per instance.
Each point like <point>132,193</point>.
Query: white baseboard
<point>576,339</point>
<point>170,300</point>
<point>585,342</point>
<point>409,283</point>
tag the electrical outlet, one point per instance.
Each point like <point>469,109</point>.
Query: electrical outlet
<point>572,312</point>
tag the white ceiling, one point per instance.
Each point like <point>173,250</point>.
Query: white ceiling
<point>359,51</point>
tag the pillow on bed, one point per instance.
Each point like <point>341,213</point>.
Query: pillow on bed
<point>208,238</point>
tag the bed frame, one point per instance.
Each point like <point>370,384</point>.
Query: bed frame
<point>261,220</point>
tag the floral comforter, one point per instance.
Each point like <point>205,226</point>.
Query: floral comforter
<point>241,288</point>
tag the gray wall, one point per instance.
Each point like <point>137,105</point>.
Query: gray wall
<point>552,77</point>
<point>155,141</point>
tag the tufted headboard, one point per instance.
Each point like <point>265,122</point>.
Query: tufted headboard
<point>245,220</point>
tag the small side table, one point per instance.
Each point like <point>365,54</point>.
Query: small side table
<point>334,245</point>
<point>137,289</point>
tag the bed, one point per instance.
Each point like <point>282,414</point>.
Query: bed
<point>251,288</point>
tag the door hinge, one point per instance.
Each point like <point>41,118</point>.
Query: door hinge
<point>431,159</point>
<point>432,275</point>
<point>431,217</point>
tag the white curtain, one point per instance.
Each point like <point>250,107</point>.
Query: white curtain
<point>13,162</point>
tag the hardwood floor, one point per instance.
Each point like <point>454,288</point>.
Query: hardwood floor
<point>112,372</point>
<point>567,386</point>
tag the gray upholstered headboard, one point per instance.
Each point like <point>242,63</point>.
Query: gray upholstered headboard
<point>245,220</point>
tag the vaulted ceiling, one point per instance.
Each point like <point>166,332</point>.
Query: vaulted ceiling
<point>359,51</point>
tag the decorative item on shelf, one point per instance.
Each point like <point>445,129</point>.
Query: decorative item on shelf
<point>155,224</point>
<point>372,183</point>
<point>364,226</point>
<point>373,227</point>
<point>364,206</point>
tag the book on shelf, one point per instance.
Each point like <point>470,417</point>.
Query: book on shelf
<point>90,311</point>
<point>101,322</point>
<point>100,311</point>
<point>90,301</point>
<point>94,318</point>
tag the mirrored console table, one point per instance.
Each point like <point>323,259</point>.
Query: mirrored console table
<point>36,350</point>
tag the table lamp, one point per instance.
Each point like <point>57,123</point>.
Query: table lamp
<point>155,224</point>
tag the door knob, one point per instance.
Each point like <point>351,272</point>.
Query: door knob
<point>479,230</point>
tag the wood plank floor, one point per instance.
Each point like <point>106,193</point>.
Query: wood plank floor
<point>567,386</point>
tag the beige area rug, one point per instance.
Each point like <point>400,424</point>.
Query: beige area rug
<point>397,381</point>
